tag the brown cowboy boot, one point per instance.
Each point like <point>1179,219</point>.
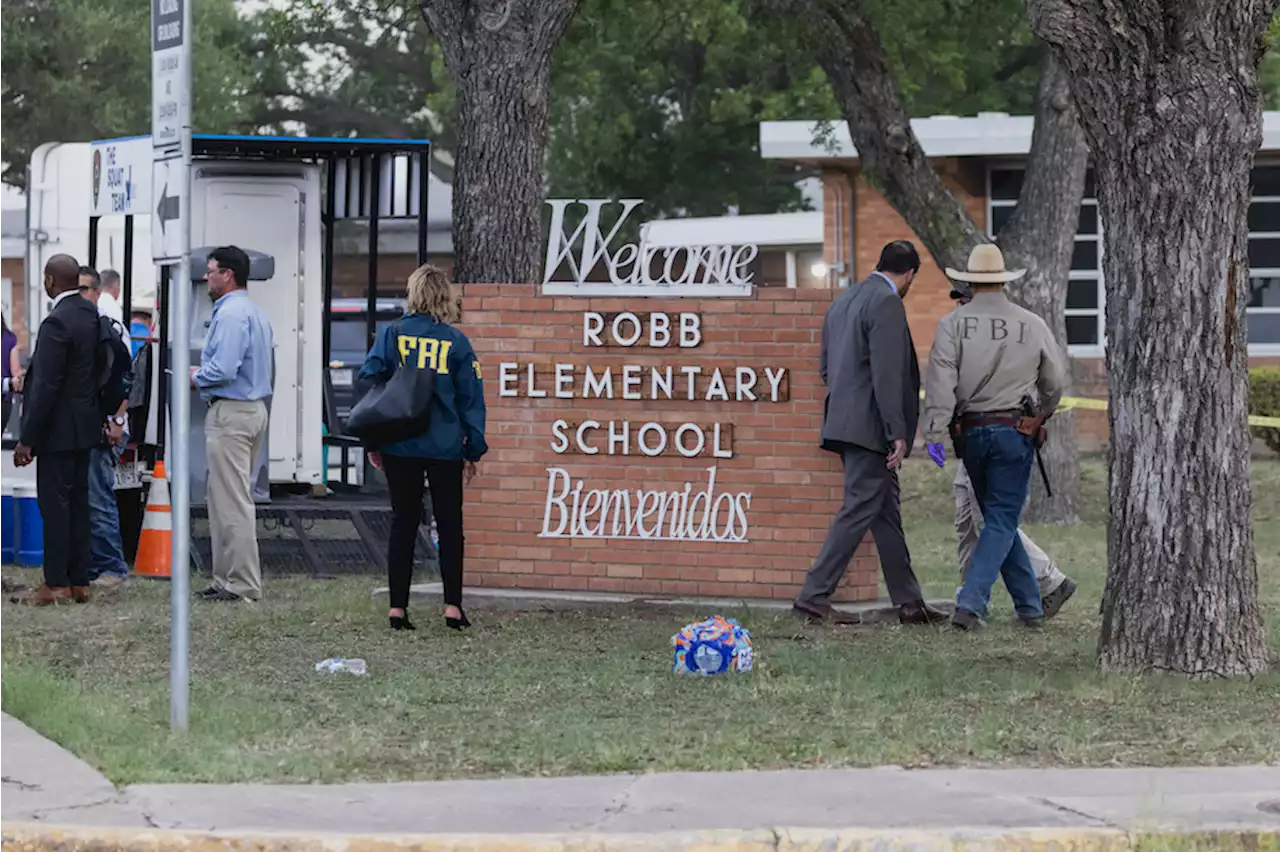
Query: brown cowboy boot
<point>43,595</point>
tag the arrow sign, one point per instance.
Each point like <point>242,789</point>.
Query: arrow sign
<point>169,209</point>
<point>169,236</point>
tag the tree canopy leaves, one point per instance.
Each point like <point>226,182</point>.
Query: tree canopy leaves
<point>650,100</point>
<point>78,70</point>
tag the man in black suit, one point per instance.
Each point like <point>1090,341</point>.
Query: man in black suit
<point>62,422</point>
<point>873,404</point>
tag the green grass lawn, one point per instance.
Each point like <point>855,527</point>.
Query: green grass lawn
<point>545,691</point>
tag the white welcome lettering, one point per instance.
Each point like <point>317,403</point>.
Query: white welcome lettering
<point>682,270</point>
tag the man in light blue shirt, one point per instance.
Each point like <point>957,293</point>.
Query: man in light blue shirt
<point>234,378</point>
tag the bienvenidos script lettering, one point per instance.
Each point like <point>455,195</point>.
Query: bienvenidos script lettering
<point>573,510</point>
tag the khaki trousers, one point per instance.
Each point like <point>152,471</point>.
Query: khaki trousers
<point>969,526</point>
<point>234,432</point>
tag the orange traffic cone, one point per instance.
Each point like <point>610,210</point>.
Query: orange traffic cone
<point>153,559</point>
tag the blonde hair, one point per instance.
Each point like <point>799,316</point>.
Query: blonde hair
<point>431,293</point>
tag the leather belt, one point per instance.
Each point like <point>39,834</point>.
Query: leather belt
<point>978,419</point>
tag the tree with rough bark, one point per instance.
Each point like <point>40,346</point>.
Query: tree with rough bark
<point>1039,237</point>
<point>1169,100</point>
<point>499,53</point>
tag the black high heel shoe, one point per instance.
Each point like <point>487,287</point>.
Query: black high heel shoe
<point>457,623</point>
<point>401,622</point>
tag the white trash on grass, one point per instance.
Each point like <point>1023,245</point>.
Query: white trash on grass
<point>333,665</point>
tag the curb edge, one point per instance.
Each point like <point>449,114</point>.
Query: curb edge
<point>29,837</point>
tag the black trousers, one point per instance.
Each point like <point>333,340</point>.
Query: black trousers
<point>62,492</point>
<point>405,482</point>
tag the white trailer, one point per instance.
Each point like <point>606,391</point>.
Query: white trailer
<point>273,195</point>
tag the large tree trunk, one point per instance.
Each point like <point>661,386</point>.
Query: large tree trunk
<point>890,156</point>
<point>499,53</point>
<point>1040,237</point>
<point>1169,99</point>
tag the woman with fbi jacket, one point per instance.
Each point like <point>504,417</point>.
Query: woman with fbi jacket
<point>447,455</point>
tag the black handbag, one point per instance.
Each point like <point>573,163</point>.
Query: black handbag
<point>394,409</point>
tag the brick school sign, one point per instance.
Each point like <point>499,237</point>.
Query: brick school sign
<point>659,446</point>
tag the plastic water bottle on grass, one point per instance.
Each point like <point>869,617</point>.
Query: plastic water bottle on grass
<point>333,665</point>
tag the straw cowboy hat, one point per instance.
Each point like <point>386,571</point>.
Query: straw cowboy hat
<point>986,266</point>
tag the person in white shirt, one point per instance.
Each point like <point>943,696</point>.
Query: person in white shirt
<point>109,298</point>
<point>108,568</point>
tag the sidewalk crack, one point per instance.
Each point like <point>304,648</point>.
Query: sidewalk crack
<point>617,806</point>
<point>22,785</point>
<point>39,814</point>
<point>1104,823</point>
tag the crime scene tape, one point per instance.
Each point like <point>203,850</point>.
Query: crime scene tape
<point>1101,405</point>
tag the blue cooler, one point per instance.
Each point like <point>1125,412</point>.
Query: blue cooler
<point>6,508</point>
<point>30,526</point>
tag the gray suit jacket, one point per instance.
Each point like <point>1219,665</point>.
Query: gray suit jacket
<point>869,367</point>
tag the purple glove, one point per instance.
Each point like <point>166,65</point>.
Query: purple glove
<point>938,453</point>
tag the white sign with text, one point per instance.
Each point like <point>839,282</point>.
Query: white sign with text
<point>170,72</point>
<point>637,269</point>
<point>121,177</point>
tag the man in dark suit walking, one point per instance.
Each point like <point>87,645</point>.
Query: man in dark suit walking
<point>873,404</point>
<point>62,422</point>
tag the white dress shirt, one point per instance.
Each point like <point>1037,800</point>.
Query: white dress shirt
<point>109,306</point>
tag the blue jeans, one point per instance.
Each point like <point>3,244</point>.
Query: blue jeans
<point>998,460</point>
<point>104,515</point>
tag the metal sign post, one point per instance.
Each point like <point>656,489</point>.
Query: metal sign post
<point>170,242</point>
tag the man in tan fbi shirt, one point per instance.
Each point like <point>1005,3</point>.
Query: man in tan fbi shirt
<point>1056,588</point>
<point>987,357</point>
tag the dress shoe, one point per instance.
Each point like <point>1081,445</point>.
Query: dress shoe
<point>43,595</point>
<point>824,612</point>
<point>919,612</point>
<point>221,595</point>
<point>1053,601</point>
<point>965,620</point>
<point>81,594</point>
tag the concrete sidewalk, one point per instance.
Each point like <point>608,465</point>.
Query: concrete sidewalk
<point>43,783</point>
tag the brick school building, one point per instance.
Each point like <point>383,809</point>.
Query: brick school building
<point>981,160</point>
